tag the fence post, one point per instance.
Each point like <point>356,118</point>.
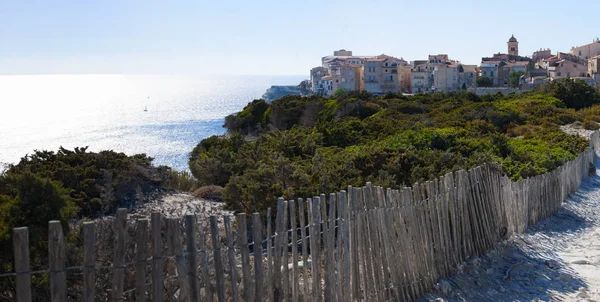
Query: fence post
<point>192,270</point>
<point>284,248</point>
<point>89,261</point>
<point>269,258</point>
<point>243,244</point>
<point>21,253</point>
<point>119,255</point>
<point>141,256</point>
<point>56,255</point>
<point>305,283</point>
<point>293,221</point>
<point>157,259</point>
<point>204,259</point>
<point>257,250</point>
<point>232,261</point>
<point>216,243</point>
<point>174,240</point>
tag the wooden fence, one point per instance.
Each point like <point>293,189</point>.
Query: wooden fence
<point>368,243</point>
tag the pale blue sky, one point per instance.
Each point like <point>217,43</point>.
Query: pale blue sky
<point>272,37</point>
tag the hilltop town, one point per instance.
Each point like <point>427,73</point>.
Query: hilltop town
<point>502,72</point>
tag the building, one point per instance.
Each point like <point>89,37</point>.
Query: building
<point>587,51</point>
<point>519,66</point>
<point>422,73</point>
<point>346,76</point>
<point>327,85</point>
<point>594,66</point>
<point>446,77</point>
<point>493,69</point>
<point>381,75</point>
<point>421,77</point>
<point>315,79</point>
<point>440,74</point>
<point>513,46</point>
<point>541,54</point>
<point>565,65</point>
<point>405,78</point>
<point>467,76</point>
<point>342,52</point>
<point>501,65</point>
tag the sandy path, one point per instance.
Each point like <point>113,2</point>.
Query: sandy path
<point>556,260</point>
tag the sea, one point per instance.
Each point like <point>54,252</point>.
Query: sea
<point>163,116</point>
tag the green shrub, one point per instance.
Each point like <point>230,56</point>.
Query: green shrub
<point>210,192</point>
<point>590,124</point>
<point>314,145</point>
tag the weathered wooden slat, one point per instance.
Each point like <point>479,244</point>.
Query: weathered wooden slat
<point>269,257</point>
<point>293,220</point>
<point>344,248</point>
<point>56,257</point>
<point>285,273</point>
<point>119,255</point>
<point>305,281</point>
<point>216,243</point>
<point>141,255</point>
<point>277,282</point>
<point>192,257</point>
<point>314,247</point>
<point>231,257</point>
<point>89,261</point>
<point>157,257</point>
<point>175,246</point>
<point>21,261</point>
<point>245,251</point>
<point>257,251</point>
<point>204,259</point>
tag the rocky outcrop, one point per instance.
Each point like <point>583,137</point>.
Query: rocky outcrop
<point>276,92</point>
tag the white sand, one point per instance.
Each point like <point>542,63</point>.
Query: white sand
<point>556,260</point>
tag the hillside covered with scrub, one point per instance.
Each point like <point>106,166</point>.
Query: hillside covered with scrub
<point>303,146</point>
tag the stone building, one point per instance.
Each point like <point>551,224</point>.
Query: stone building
<point>513,46</point>
<point>587,51</point>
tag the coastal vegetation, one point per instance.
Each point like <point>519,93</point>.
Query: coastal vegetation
<point>303,146</point>
<point>65,185</point>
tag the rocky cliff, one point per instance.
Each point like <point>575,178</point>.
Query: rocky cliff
<point>277,92</point>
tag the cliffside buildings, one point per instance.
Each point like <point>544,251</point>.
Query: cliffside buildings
<point>440,74</point>
<point>382,73</point>
<point>587,51</point>
<point>376,74</point>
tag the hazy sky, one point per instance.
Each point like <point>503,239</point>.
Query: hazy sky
<point>272,37</point>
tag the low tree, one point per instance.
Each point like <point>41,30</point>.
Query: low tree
<point>514,78</point>
<point>574,93</point>
<point>484,81</point>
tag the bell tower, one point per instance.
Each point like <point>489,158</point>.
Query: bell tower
<point>513,46</point>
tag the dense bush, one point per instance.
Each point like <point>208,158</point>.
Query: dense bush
<point>61,186</point>
<point>312,145</point>
<point>210,192</point>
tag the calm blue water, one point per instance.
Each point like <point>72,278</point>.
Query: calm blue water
<point>106,112</point>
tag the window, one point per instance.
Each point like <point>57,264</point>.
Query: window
<point>491,73</point>
<point>580,52</point>
<point>453,78</point>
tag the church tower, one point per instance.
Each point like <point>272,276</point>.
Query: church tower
<point>513,46</point>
